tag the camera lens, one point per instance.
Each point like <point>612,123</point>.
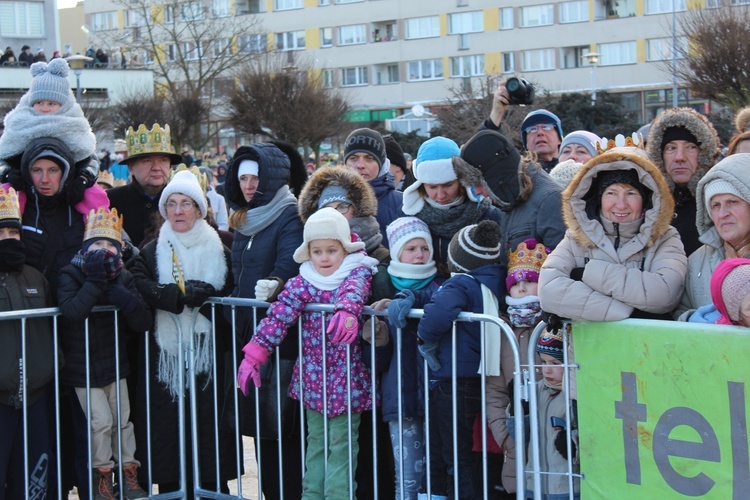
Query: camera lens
<point>512,84</point>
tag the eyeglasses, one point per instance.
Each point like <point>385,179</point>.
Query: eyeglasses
<point>184,206</point>
<point>343,207</point>
<point>536,128</point>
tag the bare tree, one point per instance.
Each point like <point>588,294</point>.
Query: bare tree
<point>284,100</point>
<point>193,48</point>
<point>715,64</point>
<point>137,106</point>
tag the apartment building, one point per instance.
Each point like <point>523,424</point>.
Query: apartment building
<point>29,23</point>
<point>390,56</point>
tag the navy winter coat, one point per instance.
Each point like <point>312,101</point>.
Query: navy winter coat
<point>390,203</point>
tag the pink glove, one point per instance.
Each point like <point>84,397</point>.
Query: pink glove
<point>255,357</point>
<point>344,327</point>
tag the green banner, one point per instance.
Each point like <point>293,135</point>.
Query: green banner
<point>663,410</point>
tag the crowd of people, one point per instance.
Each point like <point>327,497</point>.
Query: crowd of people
<point>116,58</point>
<point>569,229</point>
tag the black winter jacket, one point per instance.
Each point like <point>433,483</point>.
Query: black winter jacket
<point>138,210</point>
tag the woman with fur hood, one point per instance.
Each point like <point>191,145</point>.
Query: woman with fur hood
<point>444,196</point>
<point>345,190</point>
<point>684,145</point>
<point>620,257</point>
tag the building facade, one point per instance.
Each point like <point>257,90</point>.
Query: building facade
<point>32,23</point>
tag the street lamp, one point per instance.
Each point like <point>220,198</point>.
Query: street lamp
<point>593,59</point>
<point>76,63</point>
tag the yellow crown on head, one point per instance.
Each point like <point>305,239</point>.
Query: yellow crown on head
<point>106,177</point>
<point>620,141</point>
<point>144,141</point>
<point>202,180</point>
<point>103,223</point>
<point>9,206</point>
<point>525,259</point>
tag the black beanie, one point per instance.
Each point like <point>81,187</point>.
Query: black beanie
<point>365,140</point>
<point>87,244</point>
<point>394,152</point>
<point>474,246</point>
<point>678,133</point>
<point>498,160</point>
<point>629,177</point>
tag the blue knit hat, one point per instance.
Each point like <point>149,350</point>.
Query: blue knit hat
<point>434,165</point>
<point>540,116</point>
<point>50,82</point>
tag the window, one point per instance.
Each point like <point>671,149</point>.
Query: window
<point>664,6</point>
<point>617,53</point>
<point>191,11</point>
<point>326,37</point>
<point>572,57</point>
<point>354,76</point>
<point>509,62</point>
<point>168,11</point>
<point>253,44</point>
<point>713,4</point>
<point>220,8</point>
<point>386,74</point>
<point>249,6</point>
<point>222,47</point>
<point>506,18</point>
<point>467,66</point>
<point>22,19</point>
<point>287,4</point>
<point>327,76</point>
<point>422,27</point>
<point>349,1</point>
<point>134,17</point>
<point>429,69</point>
<point>537,15</point>
<point>538,60</point>
<point>325,2</point>
<point>291,40</point>
<point>192,51</point>
<point>101,21</point>
<point>465,22</point>
<point>574,12</point>
<point>171,52</point>
<point>351,35</point>
<point>660,49</point>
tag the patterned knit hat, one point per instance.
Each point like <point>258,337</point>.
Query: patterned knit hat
<point>730,284</point>
<point>552,344</point>
<point>331,194</point>
<point>525,262</point>
<point>403,229</point>
<point>365,140</point>
<point>50,82</point>
<point>564,172</point>
<point>474,246</point>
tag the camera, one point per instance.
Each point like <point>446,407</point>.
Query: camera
<point>520,91</point>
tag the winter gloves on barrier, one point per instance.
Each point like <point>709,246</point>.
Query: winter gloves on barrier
<point>429,351</point>
<point>196,292</point>
<point>266,288</point>
<point>344,327</point>
<point>118,295</point>
<point>382,336</point>
<point>399,308</point>
<point>249,370</point>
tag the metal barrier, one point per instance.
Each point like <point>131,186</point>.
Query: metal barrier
<point>187,403</point>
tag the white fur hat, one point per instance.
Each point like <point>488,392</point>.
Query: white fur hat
<point>326,224</point>
<point>184,182</point>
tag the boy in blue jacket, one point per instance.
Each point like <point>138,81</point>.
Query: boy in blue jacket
<point>477,278</point>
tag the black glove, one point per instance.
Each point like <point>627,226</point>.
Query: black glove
<point>577,273</point>
<point>15,178</point>
<point>561,444</point>
<point>93,266</point>
<point>76,189</point>
<point>119,296</point>
<point>196,292</point>
<point>554,322</point>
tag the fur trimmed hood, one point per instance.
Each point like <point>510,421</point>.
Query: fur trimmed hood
<point>358,190</point>
<point>699,126</point>
<point>576,198</point>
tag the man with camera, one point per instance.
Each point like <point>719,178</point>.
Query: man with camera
<point>541,130</point>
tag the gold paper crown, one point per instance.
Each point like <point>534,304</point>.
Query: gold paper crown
<point>106,177</point>
<point>526,259</point>
<point>103,223</point>
<point>144,141</point>
<point>620,141</point>
<point>193,170</point>
<point>9,206</point>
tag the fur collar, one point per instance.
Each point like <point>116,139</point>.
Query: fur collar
<point>657,218</point>
<point>358,190</point>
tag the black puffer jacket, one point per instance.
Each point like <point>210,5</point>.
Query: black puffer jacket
<point>77,297</point>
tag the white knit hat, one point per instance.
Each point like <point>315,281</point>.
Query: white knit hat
<point>403,229</point>
<point>719,186</point>
<point>184,182</point>
<point>564,172</point>
<point>326,224</point>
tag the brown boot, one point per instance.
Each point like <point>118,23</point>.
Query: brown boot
<point>130,487</point>
<point>103,488</point>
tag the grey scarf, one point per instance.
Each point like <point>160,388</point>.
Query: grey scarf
<point>258,219</point>
<point>446,223</point>
<point>368,230</point>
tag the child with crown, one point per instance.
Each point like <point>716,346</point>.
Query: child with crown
<point>23,287</point>
<point>96,276</point>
